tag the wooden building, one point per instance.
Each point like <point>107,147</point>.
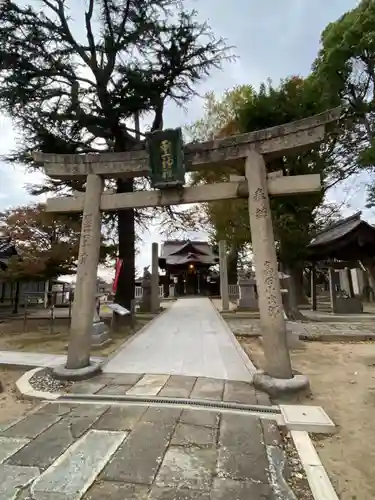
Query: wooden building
<point>187,265</point>
<point>344,249</point>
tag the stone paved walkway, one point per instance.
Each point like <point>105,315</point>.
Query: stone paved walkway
<point>33,359</point>
<point>190,338</point>
<point>170,386</point>
<point>66,451</point>
<point>331,331</point>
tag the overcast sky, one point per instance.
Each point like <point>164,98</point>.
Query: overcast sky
<point>273,39</point>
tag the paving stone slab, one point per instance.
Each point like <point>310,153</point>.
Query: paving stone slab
<point>227,489</point>
<point>5,424</point>
<point>9,446</point>
<point>271,432</point>
<point>89,410</point>
<point>31,426</point>
<point>242,454</point>
<point>103,490</point>
<point>25,495</point>
<point>201,418</point>
<point>86,387</point>
<point>178,386</point>
<point>80,423</point>
<point>262,398</point>
<point>192,435</point>
<point>149,385</point>
<point>121,418</point>
<point>58,409</point>
<point>115,390</point>
<point>162,416</point>
<point>208,388</point>
<point>44,450</point>
<point>279,473</point>
<point>127,378</point>
<point>178,494</point>
<point>139,457</point>
<point>190,468</point>
<point>13,479</point>
<point>104,379</point>
<point>239,392</point>
<point>77,468</point>
<point>52,443</point>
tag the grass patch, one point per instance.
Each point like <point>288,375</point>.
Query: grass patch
<point>41,340</point>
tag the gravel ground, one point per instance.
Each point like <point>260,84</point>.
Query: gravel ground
<point>297,479</point>
<point>44,381</point>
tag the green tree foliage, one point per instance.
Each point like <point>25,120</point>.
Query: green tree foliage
<point>295,217</point>
<point>345,70</point>
<point>72,85</point>
<point>293,99</point>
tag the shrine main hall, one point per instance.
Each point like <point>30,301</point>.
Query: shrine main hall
<point>188,267</point>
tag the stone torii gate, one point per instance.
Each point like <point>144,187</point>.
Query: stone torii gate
<point>165,160</point>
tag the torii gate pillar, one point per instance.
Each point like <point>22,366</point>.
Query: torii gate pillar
<point>78,363</point>
<point>278,375</point>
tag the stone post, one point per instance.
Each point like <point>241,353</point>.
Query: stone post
<point>155,301</point>
<point>314,301</point>
<point>224,289</point>
<point>85,291</point>
<point>266,271</point>
<point>332,288</point>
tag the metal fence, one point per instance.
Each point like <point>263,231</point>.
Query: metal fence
<point>139,292</point>
<point>234,290</point>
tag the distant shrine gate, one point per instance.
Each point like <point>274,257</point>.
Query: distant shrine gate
<point>165,160</point>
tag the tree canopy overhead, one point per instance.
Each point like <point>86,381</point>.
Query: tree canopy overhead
<point>295,218</point>
<point>74,84</point>
<point>344,70</point>
<point>245,110</point>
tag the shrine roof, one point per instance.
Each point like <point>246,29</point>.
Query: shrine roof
<point>349,238</point>
<point>180,252</point>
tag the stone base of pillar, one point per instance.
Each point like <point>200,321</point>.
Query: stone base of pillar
<point>99,335</point>
<point>63,373</point>
<point>277,387</point>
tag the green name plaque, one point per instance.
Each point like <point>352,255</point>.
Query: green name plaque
<point>166,156</point>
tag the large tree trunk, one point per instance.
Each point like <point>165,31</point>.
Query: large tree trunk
<point>293,284</point>
<point>299,284</point>
<point>232,265</point>
<point>126,252</point>
<point>16,298</point>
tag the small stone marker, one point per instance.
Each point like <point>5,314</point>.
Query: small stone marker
<point>122,311</point>
<point>99,331</point>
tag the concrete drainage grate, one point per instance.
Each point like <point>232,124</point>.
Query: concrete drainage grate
<point>178,402</point>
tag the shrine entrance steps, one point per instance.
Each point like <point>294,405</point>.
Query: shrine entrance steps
<point>189,338</point>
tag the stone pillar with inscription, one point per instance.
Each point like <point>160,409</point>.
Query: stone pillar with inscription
<point>85,291</point>
<point>155,300</point>
<point>278,373</point>
<point>224,289</point>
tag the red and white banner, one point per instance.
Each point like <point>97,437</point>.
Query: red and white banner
<point>117,275</point>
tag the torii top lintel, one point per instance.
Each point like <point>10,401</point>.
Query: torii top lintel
<point>271,142</point>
